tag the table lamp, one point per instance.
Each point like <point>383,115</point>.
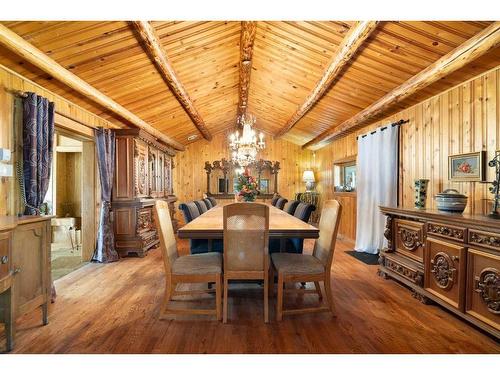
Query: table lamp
<point>308,178</point>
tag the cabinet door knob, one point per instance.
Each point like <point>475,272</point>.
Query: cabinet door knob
<point>17,270</point>
<point>5,259</point>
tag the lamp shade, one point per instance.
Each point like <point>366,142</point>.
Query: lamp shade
<point>308,176</point>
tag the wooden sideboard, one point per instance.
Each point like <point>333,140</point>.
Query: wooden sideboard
<point>143,174</point>
<point>25,280</point>
<point>451,259</point>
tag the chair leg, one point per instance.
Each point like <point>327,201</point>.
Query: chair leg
<point>218,297</point>
<point>224,312</point>
<point>328,292</point>
<point>271,280</point>
<point>166,299</point>
<point>266,297</point>
<point>318,290</point>
<point>279,302</point>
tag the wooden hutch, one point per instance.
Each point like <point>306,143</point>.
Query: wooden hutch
<point>451,259</point>
<point>143,174</point>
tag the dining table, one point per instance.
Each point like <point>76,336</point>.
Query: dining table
<point>282,225</point>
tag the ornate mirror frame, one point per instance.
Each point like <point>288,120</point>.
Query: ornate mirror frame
<point>260,166</point>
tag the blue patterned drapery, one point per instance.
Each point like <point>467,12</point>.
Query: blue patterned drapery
<point>105,247</point>
<point>38,135</point>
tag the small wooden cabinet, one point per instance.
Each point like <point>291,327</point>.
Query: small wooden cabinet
<point>25,280</point>
<point>143,174</point>
<point>451,259</point>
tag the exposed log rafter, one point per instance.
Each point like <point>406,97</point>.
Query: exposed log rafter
<point>152,43</point>
<point>351,43</point>
<point>247,38</point>
<point>467,52</point>
<point>33,55</point>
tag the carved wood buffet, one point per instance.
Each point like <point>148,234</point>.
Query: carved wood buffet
<point>24,269</point>
<point>143,174</point>
<point>451,259</point>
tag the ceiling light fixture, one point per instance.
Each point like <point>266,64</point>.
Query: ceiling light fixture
<point>246,147</point>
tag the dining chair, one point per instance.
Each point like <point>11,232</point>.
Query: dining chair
<point>302,212</point>
<point>202,206</point>
<point>213,200</point>
<point>246,235</point>
<point>187,269</point>
<point>291,206</point>
<point>309,268</point>
<point>281,202</point>
<point>191,211</point>
<point>274,199</point>
<point>208,202</point>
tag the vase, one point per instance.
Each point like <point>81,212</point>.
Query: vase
<point>249,198</point>
<point>421,192</point>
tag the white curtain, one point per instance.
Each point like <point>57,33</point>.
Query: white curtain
<point>377,185</point>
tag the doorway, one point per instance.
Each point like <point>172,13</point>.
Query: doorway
<point>71,199</point>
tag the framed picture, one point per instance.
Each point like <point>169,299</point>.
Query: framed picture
<point>466,167</point>
<point>264,185</point>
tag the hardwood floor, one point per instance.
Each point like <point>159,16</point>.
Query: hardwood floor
<point>114,308</point>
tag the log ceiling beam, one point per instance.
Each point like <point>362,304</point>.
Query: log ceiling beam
<point>247,38</point>
<point>351,43</point>
<point>464,54</point>
<point>151,42</point>
<point>33,55</point>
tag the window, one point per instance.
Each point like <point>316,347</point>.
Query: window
<point>344,175</point>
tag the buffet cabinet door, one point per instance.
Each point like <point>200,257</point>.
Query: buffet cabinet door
<point>483,287</point>
<point>410,239</point>
<point>445,271</point>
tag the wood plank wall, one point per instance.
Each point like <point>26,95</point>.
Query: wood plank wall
<point>10,81</point>
<point>190,179</point>
<point>465,118</point>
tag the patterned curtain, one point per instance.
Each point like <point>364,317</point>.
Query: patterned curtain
<point>38,135</point>
<point>105,247</point>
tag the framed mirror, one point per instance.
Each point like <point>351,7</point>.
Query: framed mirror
<point>222,176</point>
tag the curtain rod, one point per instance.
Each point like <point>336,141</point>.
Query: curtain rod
<point>400,122</point>
<point>18,93</point>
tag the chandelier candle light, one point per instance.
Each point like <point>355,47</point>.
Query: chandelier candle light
<point>245,148</point>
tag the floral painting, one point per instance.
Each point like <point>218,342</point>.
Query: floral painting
<point>466,167</point>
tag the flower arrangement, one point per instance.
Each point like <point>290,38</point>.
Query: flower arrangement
<point>246,187</point>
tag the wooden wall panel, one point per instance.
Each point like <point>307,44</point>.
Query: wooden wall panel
<point>465,118</point>
<point>9,82</point>
<point>190,179</point>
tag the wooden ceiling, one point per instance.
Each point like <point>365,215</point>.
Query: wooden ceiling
<point>288,60</point>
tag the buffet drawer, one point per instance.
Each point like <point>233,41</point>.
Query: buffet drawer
<point>488,240</point>
<point>5,256</point>
<point>407,269</point>
<point>446,231</point>
<point>410,239</point>
<point>483,287</point>
<point>445,271</point>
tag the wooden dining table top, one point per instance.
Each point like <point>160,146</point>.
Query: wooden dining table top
<point>210,225</point>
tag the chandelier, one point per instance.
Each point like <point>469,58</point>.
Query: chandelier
<point>245,148</point>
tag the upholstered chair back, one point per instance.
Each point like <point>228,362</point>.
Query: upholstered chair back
<point>190,211</point>
<point>168,244</point>
<point>328,228</point>
<point>208,203</point>
<point>274,200</point>
<point>213,200</point>
<point>303,211</point>
<point>246,237</point>
<point>281,202</point>
<point>202,206</point>
<point>291,206</point>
